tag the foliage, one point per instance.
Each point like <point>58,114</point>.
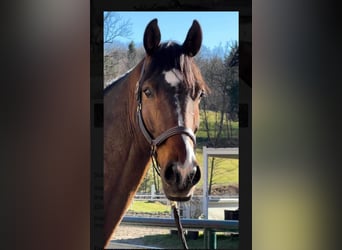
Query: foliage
<point>209,129</point>
<point>222,78</point>
<point>118,60</point>
<point>131,55</point>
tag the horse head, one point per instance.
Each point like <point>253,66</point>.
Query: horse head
<point>169,92</point>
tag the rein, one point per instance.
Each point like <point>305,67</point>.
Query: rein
<point>179,225</point>
<point>154,143</point>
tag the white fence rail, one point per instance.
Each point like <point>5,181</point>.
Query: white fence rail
<point>149,197</point>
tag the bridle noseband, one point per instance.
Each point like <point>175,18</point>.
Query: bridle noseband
<point>155,142</point>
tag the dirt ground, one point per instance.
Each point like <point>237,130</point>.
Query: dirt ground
<point>135,234</point>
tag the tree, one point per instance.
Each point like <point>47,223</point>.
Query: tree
<point>221,106</point>
<point>115,26</point>
<point>231,62</point>
<point>115,63</point>
<point>114,57</point>
<point>214,74</point>
<point>131,55</point>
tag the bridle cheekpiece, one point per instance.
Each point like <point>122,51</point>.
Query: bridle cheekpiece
<point>160,139</point>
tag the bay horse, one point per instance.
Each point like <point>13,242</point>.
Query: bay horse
<point>152,112</point>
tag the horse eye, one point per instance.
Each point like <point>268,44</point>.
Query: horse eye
<point>202,94</point>
<point>148,92</point>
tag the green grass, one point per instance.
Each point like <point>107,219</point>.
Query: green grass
<point>226,170</point>
<point>149,207</point>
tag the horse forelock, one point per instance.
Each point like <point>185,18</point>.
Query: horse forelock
<point>170,57</point>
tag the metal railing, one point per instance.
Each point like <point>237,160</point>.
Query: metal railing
<point>210,227</point>
<point>163,197</point>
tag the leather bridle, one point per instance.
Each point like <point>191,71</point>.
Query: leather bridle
<point>155,142</point>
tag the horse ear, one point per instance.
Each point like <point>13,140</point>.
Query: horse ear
<point>193,41</point>
<point>151,36</point>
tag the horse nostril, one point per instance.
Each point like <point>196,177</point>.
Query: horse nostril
<point>173,175</point>
<point>169,173</point>
<point>195,175</point>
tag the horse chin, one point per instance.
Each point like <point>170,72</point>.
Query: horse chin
<point>173,198</point>
<point>182,196</point>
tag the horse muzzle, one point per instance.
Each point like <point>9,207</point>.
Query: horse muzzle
<point>179,181</point>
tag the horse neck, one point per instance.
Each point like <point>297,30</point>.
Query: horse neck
<point>120,107</point>
<point>126,151</point>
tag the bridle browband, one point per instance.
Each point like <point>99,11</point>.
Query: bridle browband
<point>155,142</point>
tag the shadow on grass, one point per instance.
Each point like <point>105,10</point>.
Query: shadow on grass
<point>171,241</point>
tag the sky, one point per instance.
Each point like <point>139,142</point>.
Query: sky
<point>217,27</point>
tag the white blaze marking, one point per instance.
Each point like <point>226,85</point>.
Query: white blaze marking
<point>173,77</point>
<point>179,112</point>
<point>190,154</point>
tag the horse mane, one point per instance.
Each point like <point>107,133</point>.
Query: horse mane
<point>116,80</point>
